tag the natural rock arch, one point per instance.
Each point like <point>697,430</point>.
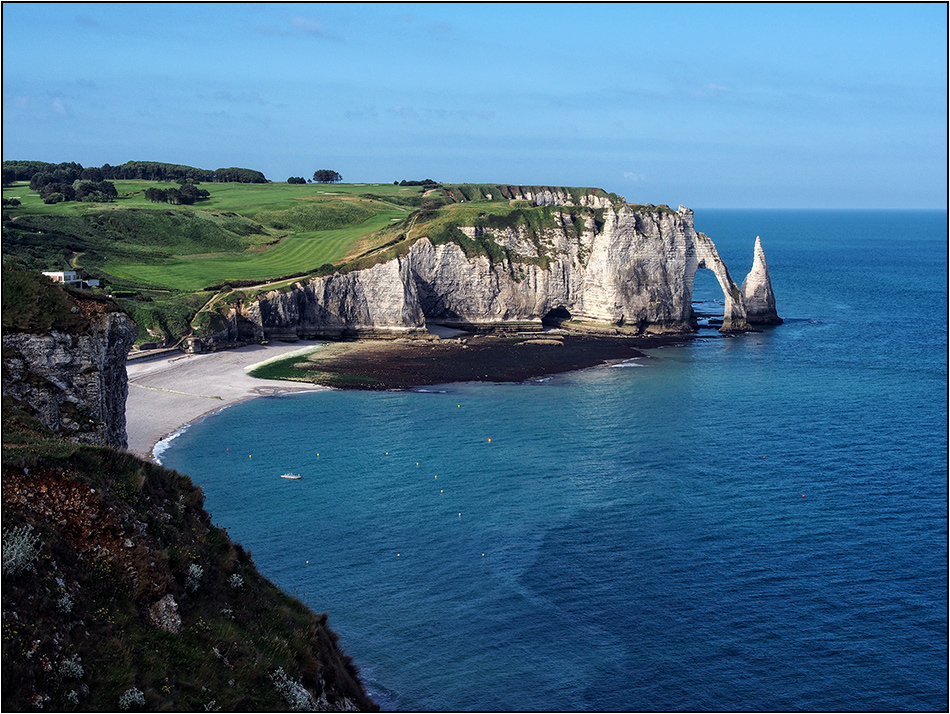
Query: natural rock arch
<point>706,257</point>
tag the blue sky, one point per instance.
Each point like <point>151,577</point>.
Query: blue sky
<point>737,105</point>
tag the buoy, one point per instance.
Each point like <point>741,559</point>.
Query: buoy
<point>460,406</point>
<point>308,562</point>
<point>489,439</point>
<point>397,555</point>
<point>441,490</point>
<point>248,456</point>
<point>437,475</point>
<point>483,555</point>
<point>460,515</point>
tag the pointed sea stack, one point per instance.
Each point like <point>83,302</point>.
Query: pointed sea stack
<point>757,291</point>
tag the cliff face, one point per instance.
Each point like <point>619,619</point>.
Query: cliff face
<point>608,268</point>
<point>73,379</point>
<point>116,586</point>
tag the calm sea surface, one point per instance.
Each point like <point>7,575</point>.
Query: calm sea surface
<point>748,523</point>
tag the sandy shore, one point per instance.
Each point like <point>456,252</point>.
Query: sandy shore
<point>166,394</point>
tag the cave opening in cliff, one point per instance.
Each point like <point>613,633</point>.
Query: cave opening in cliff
<point>556,317</point>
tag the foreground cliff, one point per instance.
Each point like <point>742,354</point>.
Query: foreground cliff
<point>64,358</point>
<point>117,591</point>
<point>585,261</point>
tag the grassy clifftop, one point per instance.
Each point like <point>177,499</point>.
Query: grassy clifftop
<point>118,592</point>
<point>168,262</point>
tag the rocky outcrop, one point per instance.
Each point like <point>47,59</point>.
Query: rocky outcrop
<point>74,381</point>
<point>757,291</point>
<point>611,268</point>
<point>118,537</point>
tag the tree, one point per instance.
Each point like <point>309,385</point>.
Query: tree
<point>326,176</point>
<point>91,174</point>
<point>296,179</point>
<point>156,195</point>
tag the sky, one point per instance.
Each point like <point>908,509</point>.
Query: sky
<point>705,105</point>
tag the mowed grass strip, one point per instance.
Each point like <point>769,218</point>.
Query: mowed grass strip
<point>297,253</point>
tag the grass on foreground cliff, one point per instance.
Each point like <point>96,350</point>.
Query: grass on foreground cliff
<point>116,534</point>
<point>33,303</point>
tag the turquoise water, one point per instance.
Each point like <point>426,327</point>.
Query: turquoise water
<point>748,523</point>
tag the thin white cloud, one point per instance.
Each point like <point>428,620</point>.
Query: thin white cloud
<point>441,28</point>
<point>299,25</point>
<point>312,27</point>
<point>712,90</point>
<point>59,107</point>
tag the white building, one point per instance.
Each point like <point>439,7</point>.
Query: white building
<point>70,278</point>
<point>62,276</point>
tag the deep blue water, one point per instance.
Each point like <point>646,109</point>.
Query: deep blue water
<point>748,523</point>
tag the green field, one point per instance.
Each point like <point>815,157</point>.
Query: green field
<point>290,229</point>
<point>297,253</point>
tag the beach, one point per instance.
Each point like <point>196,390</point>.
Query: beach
<point>166,394</point>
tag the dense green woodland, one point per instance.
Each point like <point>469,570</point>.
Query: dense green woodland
<point>130,170</point>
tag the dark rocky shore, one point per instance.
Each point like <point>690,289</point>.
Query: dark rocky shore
<point>403,364</point>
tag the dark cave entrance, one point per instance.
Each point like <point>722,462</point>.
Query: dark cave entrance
<point>556,317</point>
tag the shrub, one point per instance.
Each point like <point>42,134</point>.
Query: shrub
<point>71,667</point>
<point>20,546</point>
<point>65,603</point>
<point>293,692</point>
<point>193,581</point>
<point>131,697</point>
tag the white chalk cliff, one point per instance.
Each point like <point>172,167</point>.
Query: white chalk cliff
<point>630,272</point>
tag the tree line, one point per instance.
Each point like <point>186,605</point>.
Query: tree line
<point>130,170</point>
<point>186,194</point>
<point>425,183</point>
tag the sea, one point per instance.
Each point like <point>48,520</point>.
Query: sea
<point>756,522</point>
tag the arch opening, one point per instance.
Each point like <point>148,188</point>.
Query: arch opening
<point>556,317</point>
<point>708,300</point>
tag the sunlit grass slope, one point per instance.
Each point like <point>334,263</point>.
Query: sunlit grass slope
<point>244,232</point>
<point>297,253</point>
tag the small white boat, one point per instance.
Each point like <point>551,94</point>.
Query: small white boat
<point>293,476</point>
